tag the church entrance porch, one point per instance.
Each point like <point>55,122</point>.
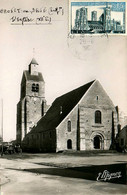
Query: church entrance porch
<point>97,141</point>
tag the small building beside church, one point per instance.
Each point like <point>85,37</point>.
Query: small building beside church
<point>82,119</point>
<point>122,139</point>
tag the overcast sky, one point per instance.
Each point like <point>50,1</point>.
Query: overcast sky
<point>66,63</point>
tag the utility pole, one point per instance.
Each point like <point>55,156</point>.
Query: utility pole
<point>2,124</point>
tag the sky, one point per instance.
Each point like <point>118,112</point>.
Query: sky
<point>65,61</point>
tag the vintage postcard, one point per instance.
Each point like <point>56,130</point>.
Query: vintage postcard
<point>63,97</point>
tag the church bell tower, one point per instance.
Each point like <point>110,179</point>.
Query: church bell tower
<point>32,104</point>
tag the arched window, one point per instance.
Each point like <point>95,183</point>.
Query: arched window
<point>35,87</point>
<point>69,126</point>
<point>97,116</point>
<point>69,144</point>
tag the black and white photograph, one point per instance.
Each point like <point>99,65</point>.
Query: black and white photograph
<point>63,97</point>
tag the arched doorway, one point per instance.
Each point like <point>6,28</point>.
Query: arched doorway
<point>69,144</point>
<point>97,142</point>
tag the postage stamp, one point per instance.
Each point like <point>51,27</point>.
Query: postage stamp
<point>97,17</point>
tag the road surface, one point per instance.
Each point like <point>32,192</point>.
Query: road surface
<point>45,174</point>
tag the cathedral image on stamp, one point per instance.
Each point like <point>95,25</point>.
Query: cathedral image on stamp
<point>97,17</point>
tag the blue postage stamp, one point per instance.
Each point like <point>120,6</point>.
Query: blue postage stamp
<point>97,17</point>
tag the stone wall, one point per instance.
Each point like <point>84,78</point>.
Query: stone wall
<point>18,123</point>
<point>40,93</point>
<point>31,108</point>
<point>83,126</point>
<point>123,138</point>
<point>63,135</point>
<point>89,129</point>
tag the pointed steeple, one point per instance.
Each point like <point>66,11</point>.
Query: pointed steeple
<point>33,61</point>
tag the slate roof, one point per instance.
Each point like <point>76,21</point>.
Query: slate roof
<point>33,61</point>
<point>124,128</point>
<point>35,78</point>
<point>65,103</point>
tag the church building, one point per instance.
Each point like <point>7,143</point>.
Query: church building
<point>82,119</point>
<point>32,104</point>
